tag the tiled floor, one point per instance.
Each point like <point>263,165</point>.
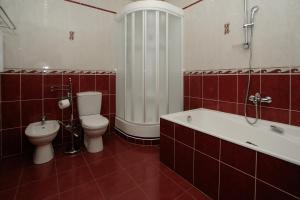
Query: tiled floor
<point>121,171</point>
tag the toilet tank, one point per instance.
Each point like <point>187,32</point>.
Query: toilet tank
<point>89,103</point>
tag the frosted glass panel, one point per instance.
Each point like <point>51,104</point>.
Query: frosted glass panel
<point>149,83</point>
<point>163,70</point>
<point>120,80</point>
<point>150,69</point>
<point>174,60</point>
<point>129,69</point>
<point>137,72</point>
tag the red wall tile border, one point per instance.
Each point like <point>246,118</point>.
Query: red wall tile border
<point>54,71</point>
<point>223,170</point>
<point>90,6</point>
<point>224,90</point>
<point>26,97</point>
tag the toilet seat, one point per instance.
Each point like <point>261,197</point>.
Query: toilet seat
<point>93,122</point>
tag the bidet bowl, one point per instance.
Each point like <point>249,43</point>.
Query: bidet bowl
<point>41,135</point>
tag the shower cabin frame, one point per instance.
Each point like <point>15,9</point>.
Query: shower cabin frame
<point>145,130</point>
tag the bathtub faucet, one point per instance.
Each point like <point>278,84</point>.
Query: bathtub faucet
<point>256,99</point>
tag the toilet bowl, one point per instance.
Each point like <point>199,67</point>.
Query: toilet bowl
<point>93,124</point>
<point>94,127</point>
<point>41,134</point>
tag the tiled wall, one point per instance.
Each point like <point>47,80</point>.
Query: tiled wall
<point>224,170</point>
<point>225,91</point>
<point>26,97</point>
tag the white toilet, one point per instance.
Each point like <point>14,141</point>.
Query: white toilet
<point>93,124</point>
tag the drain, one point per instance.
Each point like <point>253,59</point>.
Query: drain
<point>251,143</point>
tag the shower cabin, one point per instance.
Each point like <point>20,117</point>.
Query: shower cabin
<point>149,70</point>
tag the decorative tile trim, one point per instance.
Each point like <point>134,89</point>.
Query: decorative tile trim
<point>270,70</point>
<point>55,71</point>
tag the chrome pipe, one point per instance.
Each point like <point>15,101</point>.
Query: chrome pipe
<point>246,43</point>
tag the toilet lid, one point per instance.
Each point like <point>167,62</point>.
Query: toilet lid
<point>93,122</point>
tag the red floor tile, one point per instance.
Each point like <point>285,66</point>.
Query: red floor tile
<point>92,157</point>
<point>73,177</point>
<point>161,188</point>
<point>104,167</point>
<point>197,194</point>
<point>9,178</point>
<point>143,171</point>
<point>69,162</point>
<point>181,182</point>
<point>38,172</point>
<point>134,194</point>
<point>38,189</point>
<point>8,194</point>
<point>115,184</point>
<point>86,191</point>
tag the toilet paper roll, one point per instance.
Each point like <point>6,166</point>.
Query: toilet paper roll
<point>62,104</point>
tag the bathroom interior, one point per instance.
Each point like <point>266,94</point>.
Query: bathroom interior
<point>149,99</point>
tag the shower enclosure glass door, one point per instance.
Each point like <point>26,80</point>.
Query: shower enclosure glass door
<point>149,73</point>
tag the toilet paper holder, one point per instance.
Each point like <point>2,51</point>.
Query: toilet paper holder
<point>71,125</point>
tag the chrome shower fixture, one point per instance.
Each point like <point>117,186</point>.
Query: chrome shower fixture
<point>248,23</point>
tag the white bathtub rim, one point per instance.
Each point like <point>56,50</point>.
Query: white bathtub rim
<point>170,117</point>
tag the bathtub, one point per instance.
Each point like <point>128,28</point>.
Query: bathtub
<point>234,128</point>
<point>226,158</point>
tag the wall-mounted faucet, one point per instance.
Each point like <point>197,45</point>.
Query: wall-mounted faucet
<point>256,99</point>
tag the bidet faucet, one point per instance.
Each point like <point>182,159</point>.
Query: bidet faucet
<point>43,119</point>
<point>255,99</point>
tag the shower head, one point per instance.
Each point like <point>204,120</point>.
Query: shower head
<point>254,9</point>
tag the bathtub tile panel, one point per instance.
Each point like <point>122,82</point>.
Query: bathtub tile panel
<point>206,174</point>
<point>184,135</point>
<point>276,115</point>
<point>250,110</point>
<point>207,144</point>
<point>242,86</point>
<point>277,87</point>
<point>31,86</point>
<point>210,104</point>
<point>279,173</point>
<point>186,83</point>
<point>295,118</point>
<point>210,87</point>
<point>228,107</point>
<point>195,103</point>
<point>196,86</point>
<point>264,191</point>
<point>184,161</point>
<point>167,127</point>
<point>10,87</point>
<point>167,151</point>
<point>238,156</point>
<point>235,184</point>
<point>295,94</point>
<point>186,103</point>
<point>228,88</point>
